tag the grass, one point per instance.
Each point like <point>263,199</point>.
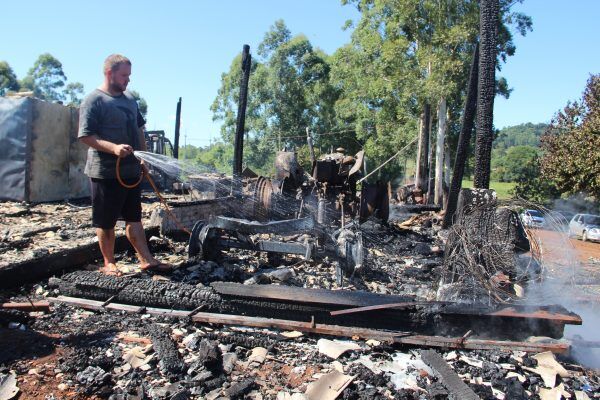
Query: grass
<point>502,188</point>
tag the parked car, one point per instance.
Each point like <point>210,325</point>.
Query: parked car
<point>532,219</point>
<point>586,227</point>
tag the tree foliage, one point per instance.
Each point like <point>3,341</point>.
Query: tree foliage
<point>571,144</point>
<point>8,79</point>
<point>289,90</point>
<point>46,78</point>
<point>513,163</point>
<point>142,104</point>
<point>527,134</point>
<point>369,93</point>
<point>531,185</point>
<point>73,93</point>
<point>404,54</point>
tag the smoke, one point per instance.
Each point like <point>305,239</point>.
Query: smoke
<point>569,280</point>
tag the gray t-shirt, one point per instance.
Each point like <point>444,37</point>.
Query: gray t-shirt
<point>116,119</point>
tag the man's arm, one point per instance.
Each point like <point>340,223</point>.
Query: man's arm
<point>119,150</point>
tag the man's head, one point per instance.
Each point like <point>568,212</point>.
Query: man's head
<point>117,69</point>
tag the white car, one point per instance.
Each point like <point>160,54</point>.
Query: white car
<point>586,227</point>
<point>532,219</point>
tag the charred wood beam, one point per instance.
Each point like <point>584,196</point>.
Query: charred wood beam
<point>458,389</point>
<point>482,344</point>
<point>40,230</point>
<point>170,362</point>
<point>325,329</point>
<point>39,268</point>
<point>291,303</point>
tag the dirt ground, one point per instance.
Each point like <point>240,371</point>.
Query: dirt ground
<point>555,242</point>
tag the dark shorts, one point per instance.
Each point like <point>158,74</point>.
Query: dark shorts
<point>111,201</point>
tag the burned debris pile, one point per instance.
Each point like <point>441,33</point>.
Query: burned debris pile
<point>485,256</point>
<point>237,320</point>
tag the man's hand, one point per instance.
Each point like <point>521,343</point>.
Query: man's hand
<point>144,167</point>
<point>122,150</point>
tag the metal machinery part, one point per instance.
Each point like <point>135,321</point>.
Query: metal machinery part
<point>208,239</point>
<point>329,194</point>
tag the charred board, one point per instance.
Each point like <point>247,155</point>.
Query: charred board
<point>317,305</point>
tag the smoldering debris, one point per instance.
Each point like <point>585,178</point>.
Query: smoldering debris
<point>403,259</point>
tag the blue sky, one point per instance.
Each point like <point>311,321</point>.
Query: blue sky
<point>181,48</point>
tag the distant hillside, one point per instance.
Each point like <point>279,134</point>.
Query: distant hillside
<point>527,134</point>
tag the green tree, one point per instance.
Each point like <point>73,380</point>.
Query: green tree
<point>216,157</point>
<point>527,134</point>
<point>531,185</point>
<point>142,104</point>
<point>571,144</point>
<point>73,93</point>
<point>289,90</point>
<point>8,79</point>
<point>405,54</point>
<point>512,164</point>
<point>46,78</point>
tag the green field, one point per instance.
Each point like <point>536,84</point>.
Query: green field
<point>502,188</point>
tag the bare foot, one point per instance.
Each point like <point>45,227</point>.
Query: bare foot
<point>157,267</point>
<point>111,269</point>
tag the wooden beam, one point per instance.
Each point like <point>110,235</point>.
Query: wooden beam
<point>37,306</point>
<point>324,329</point>
<point>482,344</point>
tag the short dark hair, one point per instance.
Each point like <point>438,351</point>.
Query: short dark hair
<point>114,61</point>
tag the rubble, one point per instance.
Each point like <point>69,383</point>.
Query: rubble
<point>111,353</point>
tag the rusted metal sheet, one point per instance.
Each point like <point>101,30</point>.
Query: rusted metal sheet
<point>571,318</point>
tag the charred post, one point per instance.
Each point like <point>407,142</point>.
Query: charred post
<point>177,127</point>
<point>486,91</point>
<point>464,139</point>
<point>241,114</point>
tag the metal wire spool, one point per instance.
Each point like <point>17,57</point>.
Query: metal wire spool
<point>262,199</point>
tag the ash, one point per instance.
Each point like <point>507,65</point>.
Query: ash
<point>70,353</point>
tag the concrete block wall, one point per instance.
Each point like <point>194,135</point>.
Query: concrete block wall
<point>188,215</point>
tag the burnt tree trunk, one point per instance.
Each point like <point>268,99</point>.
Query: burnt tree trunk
<point>486,90</point>
<point>430,164</point>
<point>464,139</point>
<point>423,148</point>
<point>439,153</point>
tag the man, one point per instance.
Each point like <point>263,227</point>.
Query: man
<point>111,124</point>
